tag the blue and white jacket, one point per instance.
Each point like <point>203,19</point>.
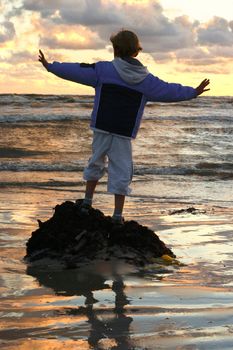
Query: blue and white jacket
<point>122,88</point>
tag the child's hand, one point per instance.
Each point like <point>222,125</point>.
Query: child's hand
<point>43,60</point>
<point>201,88</point>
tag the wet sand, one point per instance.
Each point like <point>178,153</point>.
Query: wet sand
<point>114,305</point>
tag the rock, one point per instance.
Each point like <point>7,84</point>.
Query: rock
<point>190,210</point>
<point>74,237</point>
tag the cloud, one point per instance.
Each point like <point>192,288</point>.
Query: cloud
<point>74,37</point>
<point>219,51</point>
<point>84,12</point>
<point>93,13</point>
<point>72,25</point>
<point>61,36</point>
<point>7,31</point>
<point>205,59</point>
<point>17,57</point>
<point>206,55</point>
<point>156,31</point>
<point>197,56</point>
<point>218,31</point>
<point>46,7</point>
<point>163,57</point>
<point>212,69</point>
<point>88,24</point>
<point>172,36</point>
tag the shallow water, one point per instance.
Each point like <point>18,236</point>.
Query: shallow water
<point>183,158</point>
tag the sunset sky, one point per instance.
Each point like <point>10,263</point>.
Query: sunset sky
<point>183,41</point>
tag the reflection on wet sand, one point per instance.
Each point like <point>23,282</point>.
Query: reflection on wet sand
<point>111,329</point>
<point>105,307</point>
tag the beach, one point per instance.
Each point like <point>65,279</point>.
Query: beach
<point>183,159</point>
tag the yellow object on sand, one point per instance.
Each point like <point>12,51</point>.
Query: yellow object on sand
<point>167,260</point>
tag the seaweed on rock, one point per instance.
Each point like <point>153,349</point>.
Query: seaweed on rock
<point>74,237</point>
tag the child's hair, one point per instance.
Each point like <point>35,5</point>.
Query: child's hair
<point>125,43</point>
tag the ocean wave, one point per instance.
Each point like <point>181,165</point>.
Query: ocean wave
<point>223,170</point>
<point>220,102</point>
<point>79,114</point>
<point>20,118</point>
<point>44,184</point>
<point>37,166</point>
<point>215,117</point>
<point>6,99</point>
<point>11,152</point>
<point>215,166</point>
<point>201,102</point>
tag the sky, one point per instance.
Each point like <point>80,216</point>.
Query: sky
<point>184,41</point>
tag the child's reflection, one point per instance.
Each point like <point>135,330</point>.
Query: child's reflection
<point>74,282</point>
<point>116,327</point>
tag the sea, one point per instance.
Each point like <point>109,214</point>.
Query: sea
<point>184,149</point>
<point>183,158</point>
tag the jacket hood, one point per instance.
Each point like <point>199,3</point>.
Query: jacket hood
<point>130,70</point>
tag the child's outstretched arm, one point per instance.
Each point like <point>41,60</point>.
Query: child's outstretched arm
<point>162,91</point>
<point>82,73</point>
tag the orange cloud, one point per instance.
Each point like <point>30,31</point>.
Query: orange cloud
<point>70,37</point>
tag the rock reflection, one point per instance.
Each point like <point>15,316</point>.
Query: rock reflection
<point>110,327</point>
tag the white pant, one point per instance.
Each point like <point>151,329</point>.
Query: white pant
<point>118,151</point>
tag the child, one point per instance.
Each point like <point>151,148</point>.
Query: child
<point>122,88</point>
